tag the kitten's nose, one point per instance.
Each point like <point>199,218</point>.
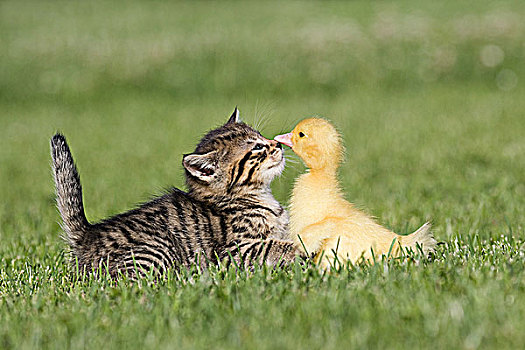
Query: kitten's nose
<point>275,144</point>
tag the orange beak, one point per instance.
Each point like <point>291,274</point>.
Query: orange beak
<point>285,139</point>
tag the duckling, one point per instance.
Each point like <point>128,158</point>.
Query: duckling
<point>321,220</point>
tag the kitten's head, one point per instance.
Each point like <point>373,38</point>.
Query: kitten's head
<point>232,159</point>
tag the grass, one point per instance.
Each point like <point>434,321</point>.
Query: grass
<point>428,96</point>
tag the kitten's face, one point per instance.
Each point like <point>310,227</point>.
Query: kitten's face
<point>233,158</point>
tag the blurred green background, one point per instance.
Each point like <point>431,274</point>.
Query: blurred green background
<point>429,97</point>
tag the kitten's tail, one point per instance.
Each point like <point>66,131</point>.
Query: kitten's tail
<point>422,237</point>
<point>68,190</point>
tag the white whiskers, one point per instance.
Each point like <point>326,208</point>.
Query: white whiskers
<point>262,115</point>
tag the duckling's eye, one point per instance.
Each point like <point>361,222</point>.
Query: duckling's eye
<point>258,147</point>
<point>301,134</point>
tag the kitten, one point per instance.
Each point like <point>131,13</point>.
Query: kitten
<point>228,212</point>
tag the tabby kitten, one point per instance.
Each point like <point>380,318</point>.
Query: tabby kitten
<point>228,212</point>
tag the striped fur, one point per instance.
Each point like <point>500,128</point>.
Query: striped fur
<point>228,213</point>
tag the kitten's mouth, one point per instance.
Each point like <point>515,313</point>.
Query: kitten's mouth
<point>277,157</point>
<point>276,167</point>
<point>279,164</point>
<point>273,170</point>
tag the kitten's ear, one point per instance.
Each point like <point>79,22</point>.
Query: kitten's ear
<point>202,166</point>
<point>234,117</point>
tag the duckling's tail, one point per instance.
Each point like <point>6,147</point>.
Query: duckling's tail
<point>422,238</point>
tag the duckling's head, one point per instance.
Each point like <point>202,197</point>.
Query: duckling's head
<point>317,142</point>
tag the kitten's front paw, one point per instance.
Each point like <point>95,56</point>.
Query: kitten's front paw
<point>283,254</point>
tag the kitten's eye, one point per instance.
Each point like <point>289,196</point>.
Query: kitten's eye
<point>301,134</point>
<point>258,147</point>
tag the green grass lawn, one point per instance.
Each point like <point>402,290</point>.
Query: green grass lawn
<point>429,97</point>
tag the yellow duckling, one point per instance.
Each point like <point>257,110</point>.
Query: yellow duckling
<point>322,218</point>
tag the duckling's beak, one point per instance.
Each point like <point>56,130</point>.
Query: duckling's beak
<point>285,139</point>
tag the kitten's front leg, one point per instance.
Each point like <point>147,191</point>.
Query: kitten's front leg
<point>272,251</point>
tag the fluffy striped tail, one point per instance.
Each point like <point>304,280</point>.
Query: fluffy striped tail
<point>68,190</point>
<point>422,237</point>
